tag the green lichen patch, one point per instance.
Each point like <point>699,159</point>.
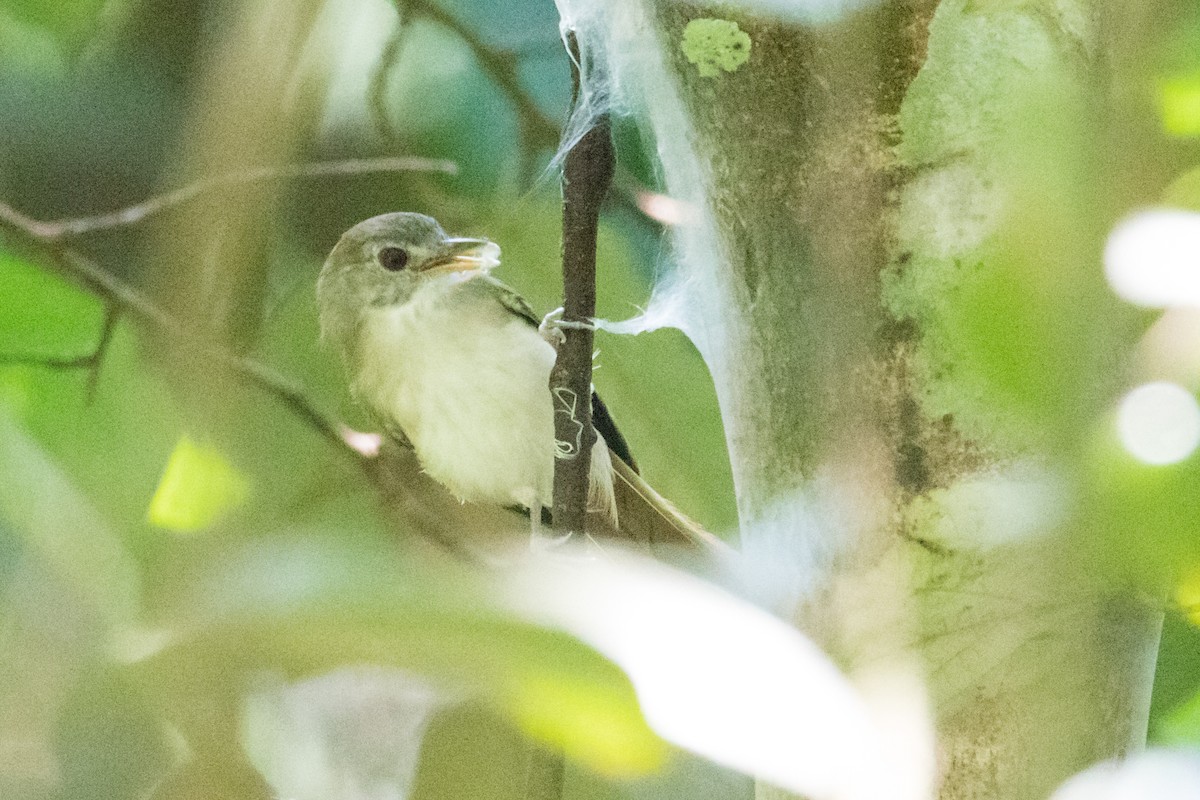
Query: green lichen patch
<point>714,45</point>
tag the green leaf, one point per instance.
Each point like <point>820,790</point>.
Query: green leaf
<point>59,526</point>
<point>1181,726</point>
<point>1143,518</point>
<point>43,316</point>
<point>300,606</point>
<point>1179,104</point>
<point>109,743</point>
<point>197,487</point>
<point>69,22</point>
<point>1184,191</point>
<point>31,49</point>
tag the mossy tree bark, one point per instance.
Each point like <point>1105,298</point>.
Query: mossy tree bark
<point>870,477</point>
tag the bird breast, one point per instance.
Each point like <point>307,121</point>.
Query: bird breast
<point>467,382</point>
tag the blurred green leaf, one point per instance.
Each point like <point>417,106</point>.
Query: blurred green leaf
<point>1179,102</point>
<point>43,316</point>
<point>197,487</point>
<point>1181,726</point>
<point>1187,595</point>
<point>1184,191</point>
<point>60,527</point>
<point>1176,66</point>
<point>303,605</point>
<point>109,743</point>
<point>1142,518</point>
<point>112,445</point>
<point>27,48</point>
<point>69,22</point>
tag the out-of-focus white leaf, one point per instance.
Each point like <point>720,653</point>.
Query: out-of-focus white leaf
<point>1155,775</point>
<point>719,676</point>
<point>354,734</point>
<point>1151,258</point>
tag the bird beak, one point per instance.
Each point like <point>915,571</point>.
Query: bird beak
<point>464,255</point>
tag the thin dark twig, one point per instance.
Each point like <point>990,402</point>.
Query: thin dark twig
<point>136,213</point>
<point>112,315</point>
<point>587,173</point>
<point>89,361</point>
<point>47,362</point>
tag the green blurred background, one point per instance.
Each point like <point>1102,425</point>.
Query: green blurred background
<point>259,525</point>
<point>156,493</point>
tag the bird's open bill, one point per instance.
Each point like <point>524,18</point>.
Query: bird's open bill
<point>465,254</point>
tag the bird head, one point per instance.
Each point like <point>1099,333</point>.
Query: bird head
<point>384,260</point>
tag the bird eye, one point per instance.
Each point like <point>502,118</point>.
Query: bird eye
<point>393,259</point>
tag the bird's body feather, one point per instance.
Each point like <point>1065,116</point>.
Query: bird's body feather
<point>460,369</point>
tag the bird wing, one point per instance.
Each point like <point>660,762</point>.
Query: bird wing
<point>509,298</point>
<point>602,420</point>
<point>645,515</point>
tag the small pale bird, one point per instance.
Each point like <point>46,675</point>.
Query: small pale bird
<point>456,363</point>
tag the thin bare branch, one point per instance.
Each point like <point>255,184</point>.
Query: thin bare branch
<point>112,315</point>
<point>91,361</point>
<point>47,362</point>
<point>132,215</point>
<point>587,174</point>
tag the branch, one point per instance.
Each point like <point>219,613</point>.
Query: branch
<point>587,173</point>
<point>134,214</point>
<point>91,361</point>
<point>124,299</point>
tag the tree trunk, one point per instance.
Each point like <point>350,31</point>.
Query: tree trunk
<point>895,515</point>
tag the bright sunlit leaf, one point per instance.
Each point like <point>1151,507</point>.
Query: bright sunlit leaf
<point>1157,774</point>
<point>1182,724</point>
<point>1159,423</point>
<point>1179,102</point>
<point>1187,595</point>
<point>1153,258</point>
<point>719,676</point>
<point>303,605</point>
<point>197,487</point>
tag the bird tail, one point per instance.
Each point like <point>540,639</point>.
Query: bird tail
<point>648,517</point>
<point>602,498</point>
